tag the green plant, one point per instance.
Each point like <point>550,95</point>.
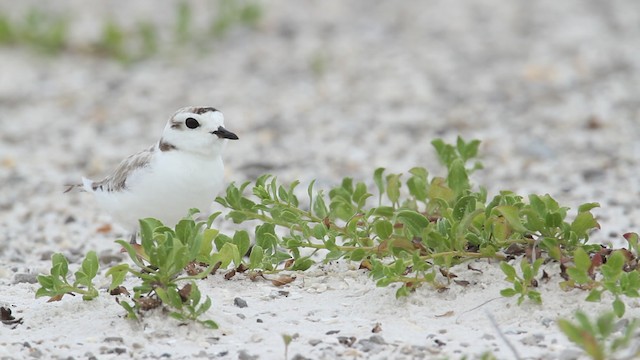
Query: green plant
<point>56,285</point>
<point>183,22</point>
<point>418,226</point>
<point>235,12</point>
<point>522,285</point>
<point>39,30</point>
<point>160,262</point>
<point>612,276</point>
<point>597,338</point>
<point>112,41</point>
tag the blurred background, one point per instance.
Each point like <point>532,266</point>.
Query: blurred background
<point>317,90</point>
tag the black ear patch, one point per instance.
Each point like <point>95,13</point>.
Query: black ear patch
<point>192,123</point>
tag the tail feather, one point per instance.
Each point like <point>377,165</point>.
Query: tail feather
<point>71,187</point>
<point>87,185</point>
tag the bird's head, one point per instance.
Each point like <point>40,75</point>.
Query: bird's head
<point>196,129</point>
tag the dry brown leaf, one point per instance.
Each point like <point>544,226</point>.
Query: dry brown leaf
<point>366,264</point>
<point>120,290</point>
<point>377,328</point>
<point>283,280</point>
<point>473,269</point>
<point>106,228</point>
<point>185,292</point>
<point>229,274</point>
<point>56,298</point>
<point>447,314</point>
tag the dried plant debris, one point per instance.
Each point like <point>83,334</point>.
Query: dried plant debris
<point>8,319</point>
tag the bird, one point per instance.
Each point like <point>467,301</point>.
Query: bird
<point>183,170</point>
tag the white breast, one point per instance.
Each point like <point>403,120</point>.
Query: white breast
<point>173,183</point>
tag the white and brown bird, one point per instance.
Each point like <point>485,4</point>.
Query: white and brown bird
<point>183,170</point>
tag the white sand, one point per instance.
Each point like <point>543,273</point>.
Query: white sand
<point>550,88</point>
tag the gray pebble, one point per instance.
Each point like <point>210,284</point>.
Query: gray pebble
<point>35,353</point>
<point>108,257</point>
<point>113,339</point>
<point>367,346</point>
<point>570,354</point>
<point>25,278</point>
<point>533,340</point>
<point>547,322</point>
<point>314,342</point>
<point>377,339</point>
<point>241,316</point>
<point>300,357</point>
<point>243,355</point>
<point>240,302</point>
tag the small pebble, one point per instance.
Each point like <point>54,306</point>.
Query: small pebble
<point>240,302</point>
<point>377,339</point>
<point>300,357</point>
<point>113,339</point>
<point>244,355</point>
<point>314,342</point>
<point>25,278</point>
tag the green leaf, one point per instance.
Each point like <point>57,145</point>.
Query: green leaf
<point>458,179</point>
<point>357,255</point>
<point>584,222</point>
<point>320,207</point>
<point>228,253</point>
<point>553,220</point>
<point>393,187</point>
<point>618,307</point>
<point>45,281</point>
<point>613,268</point>
<point>90,265</point>
<point>384,211</point>
<point>242,241</point>
<point>302,264</point>
<point>413,221</point>
<point>508,270</point>
<point>508,292</point>
<point>579,276</point>
<point>59,262</point>
<point>527,271</point>
<point>511,214</point>
<point>117,273</point>
<point>377,178</point>
<point>383,228</point>
<point>574,333</point>
<point>209,324</point>
<point>605,324</point>
<point>534,296</point>
<point>468,150</point>
<point>446,153</point>
<point>581,259</point>
<point>594,295</point>
<point>130,311</point>
<point>255,259</point>
<point>417,183</point>
<point>463,206</point>
<point>588,207</point>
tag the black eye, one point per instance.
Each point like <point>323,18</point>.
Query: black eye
<point>191,123</point>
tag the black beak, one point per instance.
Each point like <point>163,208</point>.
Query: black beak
<point>223,133</point>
